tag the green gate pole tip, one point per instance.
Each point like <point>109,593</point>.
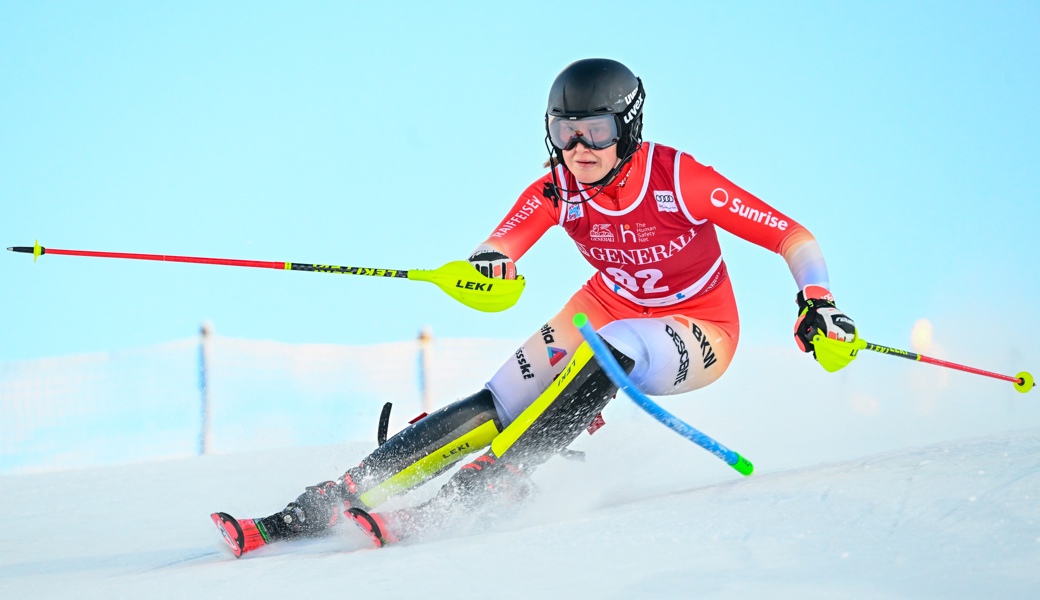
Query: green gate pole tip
<point>580,320</point>
<point>743,466</point>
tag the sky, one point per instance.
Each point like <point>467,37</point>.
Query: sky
<point>397,135</point>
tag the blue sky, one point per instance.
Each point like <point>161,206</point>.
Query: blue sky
<point>903,135</point>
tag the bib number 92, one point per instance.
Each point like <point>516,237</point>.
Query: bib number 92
<point>631,281</point>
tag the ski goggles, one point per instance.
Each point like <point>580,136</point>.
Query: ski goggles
<point>597,132</point>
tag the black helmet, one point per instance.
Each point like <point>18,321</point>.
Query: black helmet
<point>599,86</point>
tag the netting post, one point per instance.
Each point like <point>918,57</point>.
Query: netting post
<point>204,408</point>
<point>425,343</point>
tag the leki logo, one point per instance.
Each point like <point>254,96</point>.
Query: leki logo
<point>473,285</point>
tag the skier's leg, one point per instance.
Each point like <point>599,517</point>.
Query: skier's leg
<point>566,408</point>
<point>673,354</point>
<point>438,441</point>
<point>413,456</point>
<point>683,350</point>
<point>665,355</point>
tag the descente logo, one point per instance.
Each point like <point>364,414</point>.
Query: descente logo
<point>720,198</point>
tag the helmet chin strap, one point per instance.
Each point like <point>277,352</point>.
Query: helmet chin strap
<point>600,184</point>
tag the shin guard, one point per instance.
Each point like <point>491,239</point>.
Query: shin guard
<point>426,448</point>
<point>566,408</point>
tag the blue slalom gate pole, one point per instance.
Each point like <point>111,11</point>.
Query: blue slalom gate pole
<point>616,374</point>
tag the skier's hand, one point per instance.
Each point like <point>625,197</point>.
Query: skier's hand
<point>492,263</point>
<point>817,315</point>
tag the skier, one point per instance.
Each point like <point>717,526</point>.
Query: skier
<point>644,215</point>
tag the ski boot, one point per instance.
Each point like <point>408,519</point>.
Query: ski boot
<point>485,483</point>
<point>312,514</point>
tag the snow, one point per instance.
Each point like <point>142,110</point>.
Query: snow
<point>890,479</point>
<point>957,518</point>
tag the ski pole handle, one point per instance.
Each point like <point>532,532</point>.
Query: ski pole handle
<point>1023,381</point>
<point>616,374</point>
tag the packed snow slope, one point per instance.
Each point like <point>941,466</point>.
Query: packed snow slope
<point>952,519</point>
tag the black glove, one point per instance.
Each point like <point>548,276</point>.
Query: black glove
<point>492,263</point>
<point>817,314</point>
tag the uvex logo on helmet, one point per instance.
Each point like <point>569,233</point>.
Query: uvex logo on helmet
<point>634,111</point>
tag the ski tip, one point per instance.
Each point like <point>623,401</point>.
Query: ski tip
<point>230,530</point>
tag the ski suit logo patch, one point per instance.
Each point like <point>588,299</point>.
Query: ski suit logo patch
<point>555,355</point>
<point>601,232</point>
<point>684,355</point>
<point>525,367</point>
<point>719,197</point>
<point>665,201</point>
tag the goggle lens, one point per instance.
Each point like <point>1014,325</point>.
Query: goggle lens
<point>597,132</point>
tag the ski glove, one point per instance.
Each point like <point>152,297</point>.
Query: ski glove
<point>492,263</point>
<point>818,315</point>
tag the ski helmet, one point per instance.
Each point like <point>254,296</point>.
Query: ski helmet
<point>593,87</point>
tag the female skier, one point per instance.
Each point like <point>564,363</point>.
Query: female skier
<point>644,215</point>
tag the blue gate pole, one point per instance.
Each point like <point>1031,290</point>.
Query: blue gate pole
<point>204,408</point>
<point>616,374</point>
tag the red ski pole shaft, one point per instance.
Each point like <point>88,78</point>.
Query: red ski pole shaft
<point>170,258</point>
<point>1023,381</point>
<point>38,251</point>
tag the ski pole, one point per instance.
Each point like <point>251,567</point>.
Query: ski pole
<point>1023,381</point>
<point>613,370</point>
<point>458,279</point>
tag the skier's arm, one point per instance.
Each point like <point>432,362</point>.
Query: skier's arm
<point>708,195</point>
<point>525,223</point>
